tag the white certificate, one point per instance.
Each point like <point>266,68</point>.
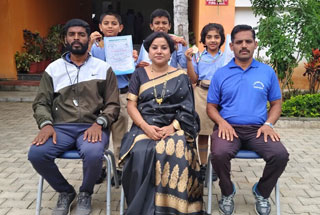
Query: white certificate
<point>119,54</point>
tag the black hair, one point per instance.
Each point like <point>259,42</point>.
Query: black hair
<point>76,22</point>
<point>158,13</point>
<point>148,41</point>
<point>209,27</point>
<point>111,13</point>
<point>239,28</point>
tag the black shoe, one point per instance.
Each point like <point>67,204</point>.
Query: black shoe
<point>64,203</point>
<point>84,204</point>
<point>203,171</point>
<point>119,173</point>
<point>102,176</point>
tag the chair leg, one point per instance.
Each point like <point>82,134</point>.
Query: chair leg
<point>114,168</point>
<point>39,195</point>
<point>277,194</point>
<point>122,202</point>
<point>209,185</point>
<point>108,195</point>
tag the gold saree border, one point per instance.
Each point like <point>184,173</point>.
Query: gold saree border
<point>176,124</point>
<point>181,205</point>
<point>161,80</point>
<point>132,97</point>
<point>137,139</point>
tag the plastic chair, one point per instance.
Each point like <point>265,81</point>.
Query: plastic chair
<point>242,154</point>
<point>73,154</point>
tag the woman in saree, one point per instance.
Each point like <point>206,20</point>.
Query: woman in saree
<point>161,169</point>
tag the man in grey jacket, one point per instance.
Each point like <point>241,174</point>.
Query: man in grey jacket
<point>76,104</point>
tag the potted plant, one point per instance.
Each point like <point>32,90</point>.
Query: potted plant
<point>23,61</point>
<point>39,51</point>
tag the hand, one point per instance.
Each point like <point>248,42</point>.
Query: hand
<point>226,131</point>
<point>177,39</point>
<point>44,134</point>
<point>266,130</point>
<point>135,55</point>
<point>166,131</point>
<point>189,54</point>
<point>93,134</point>
<point>95,37</point>
<point>151,131</point>
<point>142,64</point>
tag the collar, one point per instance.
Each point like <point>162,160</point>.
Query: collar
<point>232,64</point>
<point>66,57</point>
<point>205,52</point>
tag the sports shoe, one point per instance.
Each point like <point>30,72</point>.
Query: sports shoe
<point>84,204</point>
<point>226,203</point>
<point>262,206</point>
<point>64,203</point>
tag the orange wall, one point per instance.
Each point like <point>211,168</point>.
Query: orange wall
<point>300,81</point>
<point>204,14</point>
<point>34,15</point>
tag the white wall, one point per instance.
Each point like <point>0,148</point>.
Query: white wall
<point>244,15</point>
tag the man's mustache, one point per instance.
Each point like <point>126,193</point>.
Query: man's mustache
<point>76,42</point>
<point>244,50</point>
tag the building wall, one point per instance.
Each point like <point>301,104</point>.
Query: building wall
<point>34,15</point>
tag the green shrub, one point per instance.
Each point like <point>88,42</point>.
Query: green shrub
<point>302,106</point>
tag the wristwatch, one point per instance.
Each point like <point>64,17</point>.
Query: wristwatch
<point>269,124</point>
<point>99,121</point>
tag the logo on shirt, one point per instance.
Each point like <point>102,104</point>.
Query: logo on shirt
<point>258,85</point>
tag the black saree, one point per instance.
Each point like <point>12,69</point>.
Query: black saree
<point>162,177</point>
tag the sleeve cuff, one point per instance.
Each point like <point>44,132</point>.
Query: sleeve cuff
<point>47,122</point>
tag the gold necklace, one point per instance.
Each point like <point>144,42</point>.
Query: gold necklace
<point>159,100</point>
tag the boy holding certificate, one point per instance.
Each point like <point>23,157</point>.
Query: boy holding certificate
<point>160,20</point>
<point>110,25</point>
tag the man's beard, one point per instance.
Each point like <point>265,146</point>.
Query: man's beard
<point>78,51</point>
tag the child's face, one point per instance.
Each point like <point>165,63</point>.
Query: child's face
<point>213,40</point>
<point>160,23</point>
<point>110,26</point>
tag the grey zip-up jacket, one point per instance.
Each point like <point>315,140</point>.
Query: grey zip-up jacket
<point>72,94</point>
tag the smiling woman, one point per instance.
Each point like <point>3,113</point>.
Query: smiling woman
<point>159,153</point>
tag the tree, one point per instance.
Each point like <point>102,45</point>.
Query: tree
<point>181,23</point>
<point>289,29</point>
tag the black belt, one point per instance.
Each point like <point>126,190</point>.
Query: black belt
<point>202,85</point>
<point>124,90</point>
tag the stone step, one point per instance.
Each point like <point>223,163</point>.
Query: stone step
<point>19,85</point>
